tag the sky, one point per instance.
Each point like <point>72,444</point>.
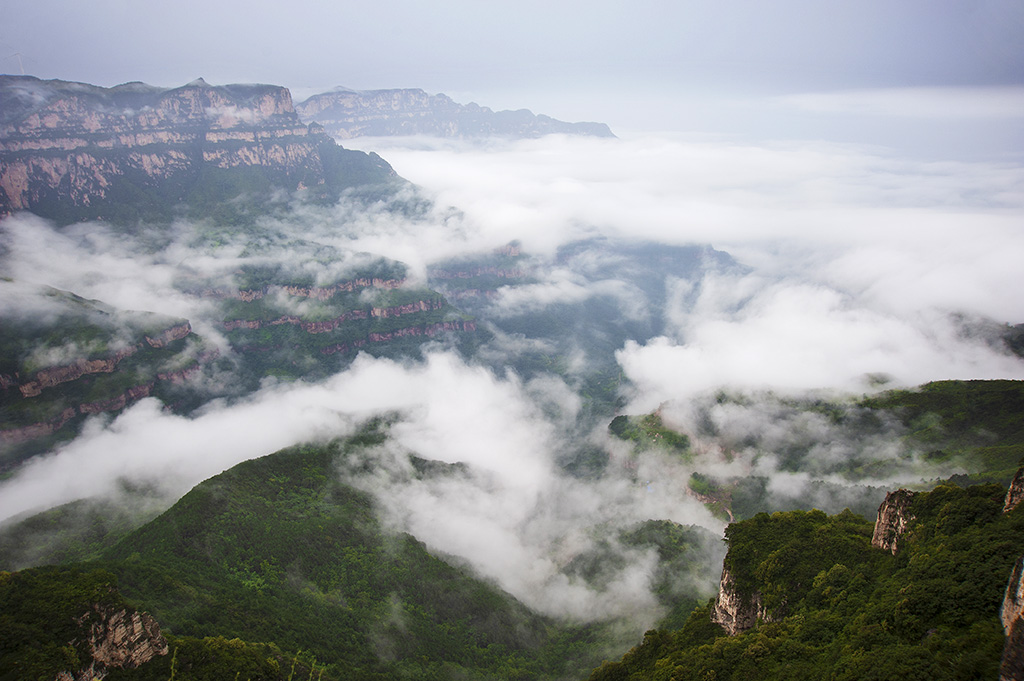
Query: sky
<point>950,71</point>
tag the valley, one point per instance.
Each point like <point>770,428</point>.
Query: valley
<point>269,408</point>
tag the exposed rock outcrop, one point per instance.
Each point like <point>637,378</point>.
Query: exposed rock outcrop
<point>53,376</point>
<point>1015,493</point>
<point>118,639</point>
<point>429,330</point>
<point>125,639</point>
<point>168,336</point>
<point>345,113</point>
<point>1012,615</point>
<point>735,612</point>
<point>893,519</point>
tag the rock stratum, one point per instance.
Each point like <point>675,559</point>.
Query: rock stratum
<point>72,151</point>
<point>348,113</point>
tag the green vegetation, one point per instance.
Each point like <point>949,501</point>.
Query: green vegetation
<point>279,562</point>
<point>648,432</point>
<point>973,424</point>
<point>76,531</point>
<point>41,617</point>
<point>846,611</point>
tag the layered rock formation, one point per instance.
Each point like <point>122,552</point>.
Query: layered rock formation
<point>38,402</point>
<point>893,520</point>
<point>348,113</point>
<point>72,151</point>
<point>118,639</point>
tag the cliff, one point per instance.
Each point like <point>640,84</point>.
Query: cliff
<point>117,639</point>
<point>1012,610</point>
<point>735,612</point>
<point>1012,615</point>
<point>349,113</point>
<point>893,519</point>
<point>75,151</point>
<point>50,382</point>
<point>1015,493</point>
<point>72,625</point>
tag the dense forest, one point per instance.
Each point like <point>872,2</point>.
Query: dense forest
<point>281,566</point>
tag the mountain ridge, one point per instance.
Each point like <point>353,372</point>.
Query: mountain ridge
<point>73,151</point>
<point>346,113</point>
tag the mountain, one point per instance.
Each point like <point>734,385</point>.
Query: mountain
<point>288,549</point>
<point>71,151</point>
<point>805,595</point>
<point>217,171</point>
<point>64,358</point>
<point>348,113</point>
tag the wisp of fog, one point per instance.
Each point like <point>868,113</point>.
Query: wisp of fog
<point>854,264</point>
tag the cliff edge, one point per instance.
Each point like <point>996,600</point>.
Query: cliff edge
<point>72,151</point>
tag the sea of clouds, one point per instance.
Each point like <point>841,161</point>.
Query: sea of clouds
<point>857,265</point>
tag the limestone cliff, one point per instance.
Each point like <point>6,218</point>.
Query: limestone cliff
<point>348,113</point>
<point>72,150</point>
<point>734,612</point>
<point>893,519</point>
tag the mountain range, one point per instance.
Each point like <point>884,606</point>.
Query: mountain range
<point>348,113</point>
<point>319,559</point>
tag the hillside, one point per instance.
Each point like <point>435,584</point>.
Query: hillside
<point>284,550</point>
<point>64,358</point>
<point>805,595</point>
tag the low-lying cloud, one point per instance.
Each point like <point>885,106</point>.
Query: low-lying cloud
<point>853,264</point>
<point>512,514</point>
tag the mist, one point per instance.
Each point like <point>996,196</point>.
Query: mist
<point>852,268</point>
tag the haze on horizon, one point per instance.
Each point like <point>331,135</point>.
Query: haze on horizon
<point>937,79</point>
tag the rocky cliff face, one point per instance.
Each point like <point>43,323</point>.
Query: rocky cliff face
<point>734,612</point>
<point>1015,493</point>
<point>893,519</point>
<point>348,113</point>
<point>117,639</point>
<point>1012,614</point>
<point>71,145</point>
<point>51,396</point>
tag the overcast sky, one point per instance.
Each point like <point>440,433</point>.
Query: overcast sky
<point>649,64</point>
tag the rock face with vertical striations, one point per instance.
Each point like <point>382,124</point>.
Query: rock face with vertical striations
<point>1012,610</point>
<point>734,612</point>
<point>893,519</point>
<point>72,151</point>
<point>1015,493</point>
<point>348,113</point>
<point>1012,615</point>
